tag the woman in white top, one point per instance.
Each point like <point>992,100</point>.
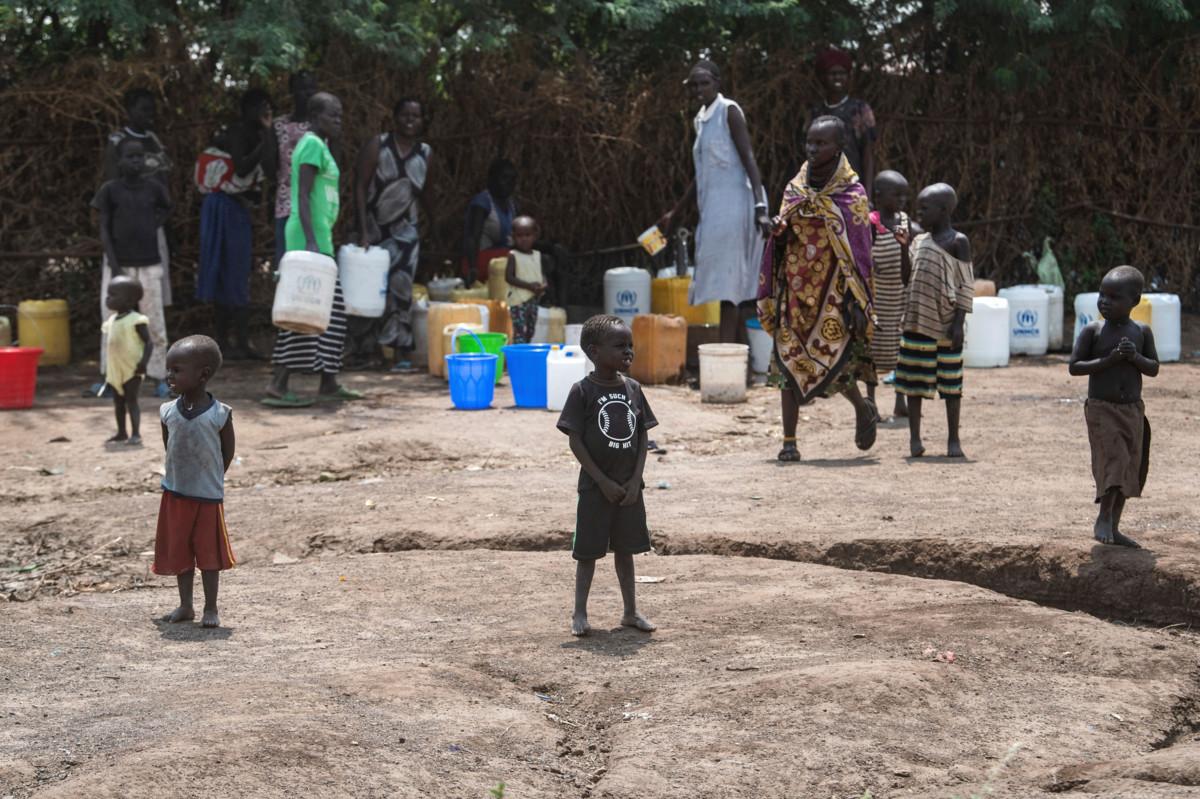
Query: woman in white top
<point>733,206</point>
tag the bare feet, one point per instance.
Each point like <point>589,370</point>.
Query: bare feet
<point>789,453</point>
<point>210,619</point>
<point>954,449</point>
<point>639,621</point>
<point>135,441</point>
<point>579,625</point>
<point>117,438</point>
<point>180,614</point>
<point>1122,540</point>
<point>1102,531</point>
<point>916,447</point>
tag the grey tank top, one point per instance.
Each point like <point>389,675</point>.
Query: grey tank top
<point>195,468</point>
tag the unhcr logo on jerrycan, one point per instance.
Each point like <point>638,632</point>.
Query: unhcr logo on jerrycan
<point>1027,323</point>
<point>627,301</point>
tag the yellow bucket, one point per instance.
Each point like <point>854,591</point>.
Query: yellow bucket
<point>46,324</point>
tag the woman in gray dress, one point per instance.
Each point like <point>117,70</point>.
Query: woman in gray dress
<point>729,193</point>
<point>393,176</point>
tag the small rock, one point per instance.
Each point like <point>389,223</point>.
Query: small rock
<point>902,772</point>
<point>860,635</point>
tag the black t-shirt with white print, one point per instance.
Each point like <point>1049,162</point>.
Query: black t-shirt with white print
<point>609,417</point>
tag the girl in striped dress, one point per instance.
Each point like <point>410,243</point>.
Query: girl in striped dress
<point>891,232</point>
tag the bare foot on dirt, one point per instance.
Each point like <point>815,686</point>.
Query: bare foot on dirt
<point>789,453</point>
<point>916,447</point>
<point>639,621</point>
<point>118,438</point>
<point>210,619</point>
<point>134,441</point>
<point>1102,531</point>
<point>180,614</point>
<point>579,625</point>
<point>954,450</point>
<point>1122,540</point>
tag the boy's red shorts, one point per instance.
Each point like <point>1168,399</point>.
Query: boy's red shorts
<point>191,535</point>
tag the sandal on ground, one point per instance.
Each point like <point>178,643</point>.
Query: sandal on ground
<point>404,368</point>
<point>342,394</point>
<point>789,454</point>
<point>288,400</point>
<point>864,436</point>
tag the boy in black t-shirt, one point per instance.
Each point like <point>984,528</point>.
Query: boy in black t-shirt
<point>607,416</point>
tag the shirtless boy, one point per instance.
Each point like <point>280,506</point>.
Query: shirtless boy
<point>1114,354</point>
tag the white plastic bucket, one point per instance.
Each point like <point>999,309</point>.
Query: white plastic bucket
<point>304,293</point>
<point>1166,323</point>
<point>627,292</point>
<point>573,332</point>
<point>565,366</point>
<point>364,276</point>
<point>761,345</point>
<point>985,338</point>
<point>1028,323</point>
<point>723,372</point>
<point>1087,310</point>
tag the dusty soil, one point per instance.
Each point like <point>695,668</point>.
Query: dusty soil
<point>418,674</point>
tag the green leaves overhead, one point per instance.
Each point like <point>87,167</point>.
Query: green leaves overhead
<point>255,37</point>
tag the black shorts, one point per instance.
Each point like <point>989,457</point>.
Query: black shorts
<point>601,526</point>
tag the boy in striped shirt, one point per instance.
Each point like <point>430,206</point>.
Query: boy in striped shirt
<point>940,296</point>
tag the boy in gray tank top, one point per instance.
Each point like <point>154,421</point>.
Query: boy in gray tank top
<point>198,435</point>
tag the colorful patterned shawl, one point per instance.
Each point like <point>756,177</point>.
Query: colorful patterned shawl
<point>822,255</point>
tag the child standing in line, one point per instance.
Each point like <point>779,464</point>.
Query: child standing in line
<point>128,345</point>
<point>607,416</point>
<point>940,296</point>
<point>1114,354</point>
<point>198,435</point>
<point>132,209</point>
<point>526,280</point>
<point>891,232</point>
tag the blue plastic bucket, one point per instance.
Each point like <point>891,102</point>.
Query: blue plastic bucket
<point>527,371</point>
<point>472,379</point>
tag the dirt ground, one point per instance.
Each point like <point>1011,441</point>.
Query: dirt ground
<point>398,623</point>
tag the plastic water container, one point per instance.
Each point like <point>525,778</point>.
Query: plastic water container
<point>18,376</point>
<point>441,288</point>
<point>1166,322</point>
<point>304,293</point>
<point>46,325</point>
<point>627,292</point>
<point>565,366</point>
<point>6,332</point>
<point>364,276</point>
<point>761,346</point>
<point>497,283</point>
<point>442,314</point>
<point>985,288</point>
<point>1028,323</point>
<point>1054,313</point>
<point>420,330</point>
<point>985,334</point>
<point>573,332</point>
<point>551,327</point>
<point>471,379</point>
<point>492,343</point>
<point>527,372</point>
<point>669,295</point>
<point>1087,310</point>
<point>659,348</point>
<point>723,372</point>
